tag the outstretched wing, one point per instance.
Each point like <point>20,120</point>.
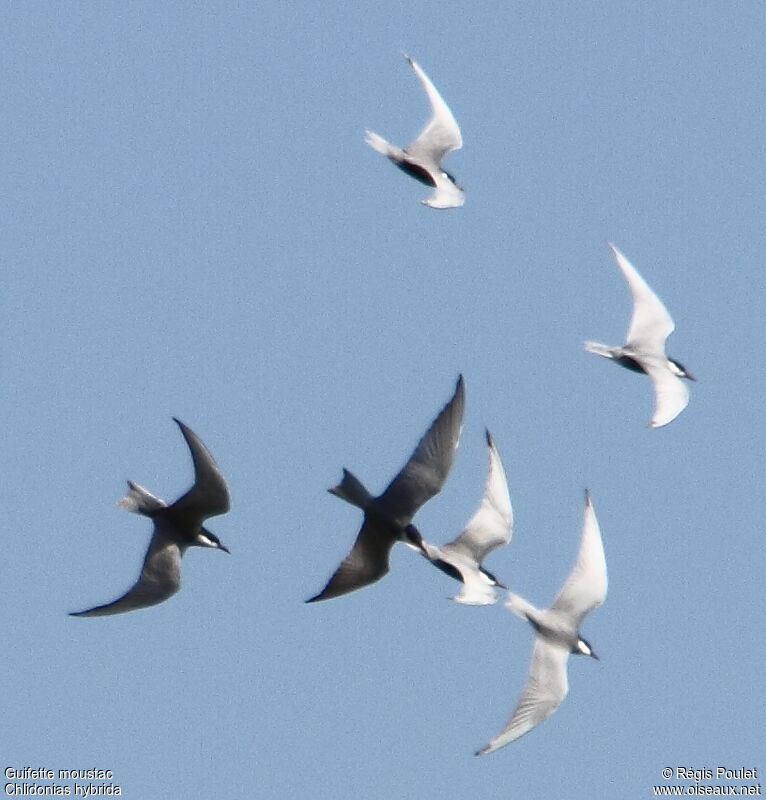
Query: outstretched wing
<point>209,496</point>
<point>492,524</point>
<point>441,134</point>
<point>671,393</point>
<point>366,563</point>
<point>585,587</point>
<point>651,324</point>
<point>546,687</point>
<point>160,579</point>
<point>427,468</point>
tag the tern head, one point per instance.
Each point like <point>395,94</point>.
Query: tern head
<point>451,179</point>
<point>583,648</point>
<point>206,538</point>
<point>493,581</point>
<point>677,368</point>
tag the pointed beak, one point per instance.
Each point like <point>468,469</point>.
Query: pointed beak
<point>420,546</point>
<point>415,539</point>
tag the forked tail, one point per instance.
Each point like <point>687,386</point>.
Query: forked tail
<point>352,490</point>
<point>139,501</point>
<point>519,606</point>
<point>601,349</point>
<point>382,146</point>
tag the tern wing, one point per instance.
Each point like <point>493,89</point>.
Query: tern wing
<point>427,468</point>
<point>671,393</point>
<point>491,526</point>
<point>546,687</point>
<point>446,194</point>
<point>209,496</point>
<point>651,324</point>
<point>585,587</point>
<point>441,134</point>
<point>160,579</point>
<point>366,563</point>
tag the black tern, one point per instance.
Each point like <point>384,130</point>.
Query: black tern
<point>176,527</point>
<point>421,159</point>
<point>490,527</point>
<point>388,517</point>
<point>644,348</point>
<point>557,634</point>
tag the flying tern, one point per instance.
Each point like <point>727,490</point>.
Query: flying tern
<point>557,634</point>
<point>388,517</point>
<point>644,348</point>
<point>490,527</point>
<point>176,527</point>
<point>421,159</point>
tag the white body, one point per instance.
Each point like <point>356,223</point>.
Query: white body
<point>557,634</point>
<point>489,528</point>
<point>650,326</point>
<point>440,135</point>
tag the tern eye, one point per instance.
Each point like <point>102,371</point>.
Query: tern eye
<point>583,647</point>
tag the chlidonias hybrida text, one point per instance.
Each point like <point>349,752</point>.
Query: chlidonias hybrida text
<point>422,158</point>
<point>488,528</point>
<point>176,527</point>
<point>387,518</point>
<point>644,348</point>
<point>557,634</point>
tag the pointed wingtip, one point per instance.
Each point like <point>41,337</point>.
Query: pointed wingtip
<point>488,437</point>
<point>186,431</point>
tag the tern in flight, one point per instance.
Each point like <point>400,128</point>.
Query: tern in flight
<point>422,158</point>
<point>490,527</point>
<point>644,348</point>
<point>557,634</point>
<point>388,517</point>
<point>176,527</point>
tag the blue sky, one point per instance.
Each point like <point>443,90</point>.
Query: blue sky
<point>192,226</point>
